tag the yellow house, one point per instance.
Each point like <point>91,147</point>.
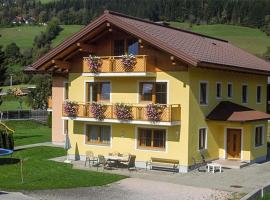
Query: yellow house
<point>156,91</point>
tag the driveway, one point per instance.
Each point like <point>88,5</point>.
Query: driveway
<point>133,189</point>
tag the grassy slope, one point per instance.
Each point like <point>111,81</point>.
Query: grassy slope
<point>24,36</point>
<point>41,173</point>
<point>13,105</point>
<point>250,39</point>
<point>29,132</point>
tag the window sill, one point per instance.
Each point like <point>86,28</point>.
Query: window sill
<point>151,149</point>
<point>97,144</point>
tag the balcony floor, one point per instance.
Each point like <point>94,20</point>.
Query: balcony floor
<point>161,123</point>
<point>120,74</point>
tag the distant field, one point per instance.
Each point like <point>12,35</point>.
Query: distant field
<point>251,39</point>
<point>24,36</point>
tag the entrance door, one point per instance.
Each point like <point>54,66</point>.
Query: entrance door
<point>233,143</point>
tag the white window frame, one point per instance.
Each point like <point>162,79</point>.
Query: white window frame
<point>151,150</point>
<point>151,81</point>
<point>64,120</point>
<point>93,81</point>
<point>257,94</point>
<point>97,145</point>
<point>207,93</point>
<point>220,83</point>
<point>206,139</point>
<point>263,135</point>
<point>229,83</point>
<point>244,84</point>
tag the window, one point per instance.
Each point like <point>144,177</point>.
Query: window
<point>98,134</point>
<point>244,94</point>
<point>258,136</point>
<point>98,91</point>
<point>218,90</point>
<point>229,90</point>
<point>119,47</point>
<point>203,93</point>
<point>65,126</point>
<point>259,94</point>
<point>66,90</point>
<point>155,92</point>
<point>151,138</point>
<point>133,47</point>
<point>202,138</point>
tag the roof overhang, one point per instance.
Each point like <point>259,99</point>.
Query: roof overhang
<point>231,112</point>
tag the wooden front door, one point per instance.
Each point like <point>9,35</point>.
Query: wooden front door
<point>233,143</point>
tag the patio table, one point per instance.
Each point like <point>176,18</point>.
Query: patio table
<point>214,166</point>
<point>117,159</point>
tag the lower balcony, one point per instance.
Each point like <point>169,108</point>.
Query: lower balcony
<point>152,114</point>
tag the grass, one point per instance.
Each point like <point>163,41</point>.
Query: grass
<point>12,103</point>
<point>250,39</point>
<point>29,132</point>
<point>67,31</point>
<point>24,36</point>
<point>41,173</point>
<point>6,88</point>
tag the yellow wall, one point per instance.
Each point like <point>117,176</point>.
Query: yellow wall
<point>216,129</point>
<point>126,90</point>
<point>183,89</point>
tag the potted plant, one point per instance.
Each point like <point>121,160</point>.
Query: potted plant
<point>94,63</point>
<point>128,61</point>
<point>98,110</point>
<point>71,108</point>
<point>154,112</point>
<point>123,111</point>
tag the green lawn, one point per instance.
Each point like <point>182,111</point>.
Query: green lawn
<point>12,103</point>
<point>24,36</point>
<point>250,39</point>
<point>40,173</point>
<point>67,31</point>
<point>29,132</point>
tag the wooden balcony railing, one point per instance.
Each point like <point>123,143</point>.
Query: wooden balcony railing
<point>50,102</point>
<point>169,113</point>
<point>113,64</point>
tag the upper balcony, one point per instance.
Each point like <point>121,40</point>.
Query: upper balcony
<point>166,115</point>
<point>114,66</point>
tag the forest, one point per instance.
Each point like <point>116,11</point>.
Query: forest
<point>252,13</point>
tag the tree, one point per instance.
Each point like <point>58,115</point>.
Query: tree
<point>266,55</point>
<point>3,68</point>
<point>12,53</point>
<point>38,97</point>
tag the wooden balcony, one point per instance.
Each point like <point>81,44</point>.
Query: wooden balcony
<point>113,66</point>
<point>50,103</point>
<point>170,113</point>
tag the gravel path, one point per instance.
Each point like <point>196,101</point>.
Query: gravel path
<point>133,189</point>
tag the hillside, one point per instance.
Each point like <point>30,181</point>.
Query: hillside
<point>250,39</point>
<point>24,36</point>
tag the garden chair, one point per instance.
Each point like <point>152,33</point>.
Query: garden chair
<point>130,164</point>
<point>90,158</point>
<point>103,163</point>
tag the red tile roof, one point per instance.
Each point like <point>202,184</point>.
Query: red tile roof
<point>192,48</point>
<point>228,111</point>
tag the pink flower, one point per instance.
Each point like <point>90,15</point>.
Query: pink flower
<point>94,63</point>
<point>123,111</point>
<point>71,108</point>
<point>128,61</point>
<point>154,111</point>
<point>98,110</point>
